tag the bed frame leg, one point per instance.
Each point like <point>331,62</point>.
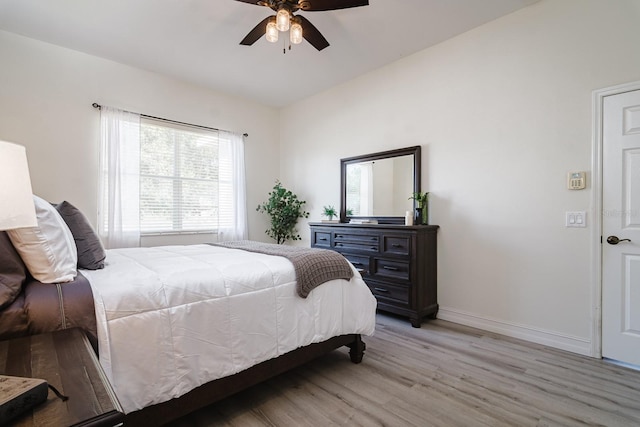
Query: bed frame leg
<point>357,348</point>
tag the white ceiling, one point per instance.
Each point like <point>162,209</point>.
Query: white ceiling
<point>198,40</point>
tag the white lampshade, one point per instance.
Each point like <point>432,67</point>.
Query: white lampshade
<point>272,32</point>
<point>283,20</point>
<point>295,35</point>
<point>17,209</point>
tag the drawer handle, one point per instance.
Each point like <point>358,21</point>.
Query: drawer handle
<point>339,244</point>
<point>374,248</point>
<point>381,290</point>
<point>339,236</point>
<point>387,267</point>
<point>322,238</point>
<point>375,239</point>
<point>356,263</point>
<point>396,245</point>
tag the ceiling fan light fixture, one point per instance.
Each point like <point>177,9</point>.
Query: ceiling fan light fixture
<point>295,34</point>
<point>272,32</point>
<point>283,20</point>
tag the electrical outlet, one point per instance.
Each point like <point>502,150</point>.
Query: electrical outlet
<point>576,219</point>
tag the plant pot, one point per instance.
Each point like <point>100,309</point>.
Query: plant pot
<point>422,216</point>
<point>418,218</point>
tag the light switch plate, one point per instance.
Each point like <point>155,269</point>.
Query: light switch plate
<point>576,219</point>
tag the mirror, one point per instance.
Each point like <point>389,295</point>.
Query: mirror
<point>378,185</point>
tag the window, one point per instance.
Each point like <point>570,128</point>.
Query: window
<point>180,178</point>
<point>160,176</point>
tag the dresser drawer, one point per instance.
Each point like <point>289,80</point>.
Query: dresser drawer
<point>321,239</point>
<point>391,269</point>
<point>385,291</point>
<point>356,237</point>
<point>396,245</point>
<point>356,246</point>
<point>361,242</point>
<point>361,263</point>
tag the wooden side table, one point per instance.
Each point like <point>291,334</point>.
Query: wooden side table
<point>66,360</point>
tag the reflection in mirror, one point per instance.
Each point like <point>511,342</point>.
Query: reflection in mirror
<point>380,187</point>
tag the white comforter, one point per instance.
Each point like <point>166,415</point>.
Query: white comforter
<point>172,318</point>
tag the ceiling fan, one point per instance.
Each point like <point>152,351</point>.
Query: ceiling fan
<point>298,26</point>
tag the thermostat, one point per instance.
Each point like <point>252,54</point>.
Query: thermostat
<point>576,180</point>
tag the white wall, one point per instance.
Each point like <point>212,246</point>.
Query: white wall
<point>46,94</point>
<point>502,112</point>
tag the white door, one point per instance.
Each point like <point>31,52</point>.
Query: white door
<point>621,221</point>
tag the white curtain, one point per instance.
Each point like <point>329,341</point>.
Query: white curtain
<point>366,189</point>
<point>119,194</point>
<point>232,204</point>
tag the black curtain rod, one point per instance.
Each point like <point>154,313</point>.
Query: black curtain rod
<point>99,107</point>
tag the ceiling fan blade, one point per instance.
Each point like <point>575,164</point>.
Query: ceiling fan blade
<point>320,5</point>
<point>256,2</point>
<point>257,32</point>
<point>311,34</point>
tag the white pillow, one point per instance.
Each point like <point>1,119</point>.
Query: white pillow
<point>48,250</point>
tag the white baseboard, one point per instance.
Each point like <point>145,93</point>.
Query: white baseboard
<point>527,333</point>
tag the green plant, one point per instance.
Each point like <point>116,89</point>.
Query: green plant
<point>421,198</point>
<point>284,208</point>
<point>329,212</point>
<point>423,209</point>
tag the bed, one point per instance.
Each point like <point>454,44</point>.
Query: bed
<point>180,327</point>
<point>29,307</point>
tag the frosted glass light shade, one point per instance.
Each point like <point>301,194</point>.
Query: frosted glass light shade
<point>283,20</point>
<point>272,32</point>
<point>16,197</point>
<point>295,35</point>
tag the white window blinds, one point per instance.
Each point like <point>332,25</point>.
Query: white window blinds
<point>180,178</point>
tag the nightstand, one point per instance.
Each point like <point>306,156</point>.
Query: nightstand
<point>66,360</point>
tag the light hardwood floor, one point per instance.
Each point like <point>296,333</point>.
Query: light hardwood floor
<point>442,374</point>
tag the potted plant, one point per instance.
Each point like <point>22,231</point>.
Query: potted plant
<point>329,212</point>
<point>284,208</point>
<point>422,210</point>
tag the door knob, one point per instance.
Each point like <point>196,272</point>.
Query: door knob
<point>613,240</point>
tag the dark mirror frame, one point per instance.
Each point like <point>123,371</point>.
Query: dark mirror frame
<point>417,156</point>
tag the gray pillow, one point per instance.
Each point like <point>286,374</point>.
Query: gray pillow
<point>91,253</point>
<point>13,272</point>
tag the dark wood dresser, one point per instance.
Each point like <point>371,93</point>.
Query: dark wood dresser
<point>398,262</point>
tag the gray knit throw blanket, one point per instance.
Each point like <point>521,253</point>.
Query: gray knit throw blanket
<point>313,266</point>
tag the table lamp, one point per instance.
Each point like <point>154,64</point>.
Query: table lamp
<point>16,197</point>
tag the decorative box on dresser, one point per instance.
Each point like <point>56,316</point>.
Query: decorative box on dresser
<point>398,262</point>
